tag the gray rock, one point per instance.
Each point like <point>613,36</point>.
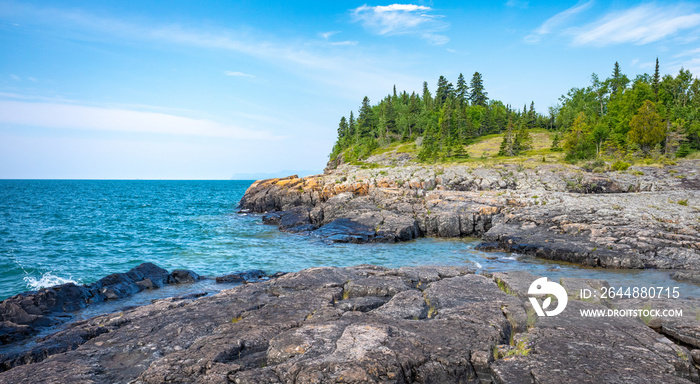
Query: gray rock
<point>298,329</point>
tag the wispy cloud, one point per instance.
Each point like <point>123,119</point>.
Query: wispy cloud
<point>237,74</point>
<point>346,42</point>
<point>403,19</point>
<point>640,25</point>
<point>303,58</point>
<point>69,116</point>
<point>517,4</point>
<point>557,21</point>
<point>327,35</point>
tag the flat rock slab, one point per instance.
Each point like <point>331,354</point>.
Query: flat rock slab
<point>363,324</point>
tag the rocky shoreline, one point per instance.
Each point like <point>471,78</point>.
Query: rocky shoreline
<point>645,217</point>
<point>369,324</point>
<point>26,315</point>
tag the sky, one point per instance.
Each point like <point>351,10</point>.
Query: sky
<point>211,89</point>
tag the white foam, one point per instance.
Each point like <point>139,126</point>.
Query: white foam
<point>48,279</point>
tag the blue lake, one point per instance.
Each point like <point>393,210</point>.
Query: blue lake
<point>54,231</point>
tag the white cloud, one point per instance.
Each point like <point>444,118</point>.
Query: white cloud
<point>640,25</point>
<point>68,116</point>
<point>327,35</point>
<point>557,21</point>
<point>400,7</point>
<point>351,75</point>
<point>517,4</point>
<point>237,74</point>
<point>347,42</point>
<point>402,19</point>
<point>14,77</point>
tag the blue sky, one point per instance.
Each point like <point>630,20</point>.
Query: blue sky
<point>207,89</point>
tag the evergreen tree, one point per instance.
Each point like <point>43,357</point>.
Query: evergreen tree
<point>342,129</point>
<point>618,82</point>
<point>506,148</point>
<point>461,90</point>
<point>522,140</point>
<point>365,119</point>
<point>656,79</point>
<point>478,95</point>
<point>616,75</point>
<point>442,91</point>
<point>555,142</point>
<point>351,125</point>
<point>427,98</point>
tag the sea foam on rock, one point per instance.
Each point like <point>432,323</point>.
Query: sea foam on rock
<point>25,314</point>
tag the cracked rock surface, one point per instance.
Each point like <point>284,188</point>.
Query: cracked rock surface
<point>363,324</point>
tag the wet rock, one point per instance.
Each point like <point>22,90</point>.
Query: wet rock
<point>46,307</point>
<point>181,276</point>
<point>688,276</point>
<point>345,231</point>
<point>240,277</point>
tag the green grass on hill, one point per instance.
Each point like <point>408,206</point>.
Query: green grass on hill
<point>485,150</point>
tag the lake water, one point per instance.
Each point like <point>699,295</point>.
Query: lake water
<point>55,231</point>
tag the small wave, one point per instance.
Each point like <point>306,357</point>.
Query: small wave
<point>46,280</point>
<point>478,265</point>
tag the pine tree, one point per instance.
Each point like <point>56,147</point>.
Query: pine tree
<point>365,119</point>
<point>342,128</point>
<point>656,79</point>
<point>351,125</point>
<point>461,90</point>
<point>443,91</point>
<point>506,148</point>
<point>478,95</point>
<point>616,75</point>
<point>522,141</point>
<point>555,142</point>
<point>427,98</point>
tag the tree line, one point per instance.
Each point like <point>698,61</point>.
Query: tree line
<point>646,114</point>
<point>651,113</point>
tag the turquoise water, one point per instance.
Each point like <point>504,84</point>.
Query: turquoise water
<point>54,231</point>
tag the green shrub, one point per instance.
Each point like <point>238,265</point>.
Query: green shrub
<point>620,166</point>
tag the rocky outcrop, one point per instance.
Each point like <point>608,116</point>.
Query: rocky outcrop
<point>362,324</point>
<point>23,315</point>
<point>648,217</point>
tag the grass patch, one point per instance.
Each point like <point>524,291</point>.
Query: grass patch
<point>522,348</point>
<point>488,146</point>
